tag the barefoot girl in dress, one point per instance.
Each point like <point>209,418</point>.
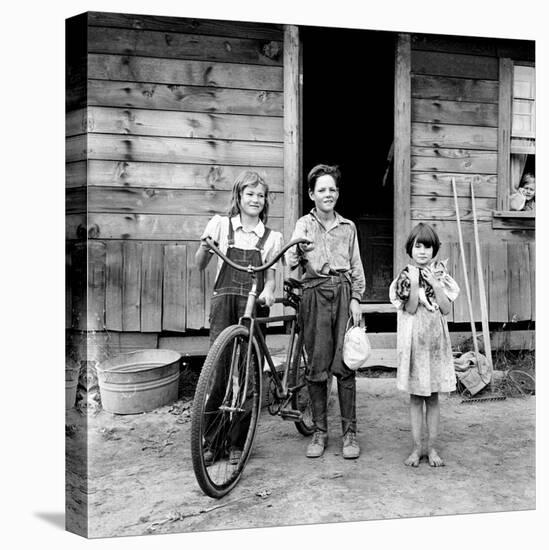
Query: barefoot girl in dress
<point>422,294</point>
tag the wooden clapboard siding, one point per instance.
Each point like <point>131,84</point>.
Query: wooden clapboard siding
<point>402,132</point>
<point>175,288</point>
<point>519,291</point>
<point>165,175</point>
<point>183,46</point>
<point>196,282</point>
<point>455,44</point>
<point>177,97</point>
<point>76,122</point>
<point>454,89</point>
<point>167,227</point>
<point>440,111</point>
<point>453,136</point>
<point>76,200</point>
<point>440,159</point>
<point>498,282</point>
<point>76,174</point>
<point>96,285</point>
<point>457,132</point>
<point>150,149</point>
<point>76,148</point>
<point>131,286</point>
<point>442,208</point>
<point>447,230</point>
<point>184,72</point>
<point>107,120</point>
<point>77,283</point>
<point>439,185</point>
<point>263,31</point>
<point>152,262</point>
<point>504,128</point>
<point>455,267</point>
<point>454,65</point>
<point>115,278</point>
<point>166,201</point>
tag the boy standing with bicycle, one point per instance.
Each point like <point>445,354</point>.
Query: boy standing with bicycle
<point>333,284</point>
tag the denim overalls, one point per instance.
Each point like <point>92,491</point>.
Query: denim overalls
<point>228,303</point>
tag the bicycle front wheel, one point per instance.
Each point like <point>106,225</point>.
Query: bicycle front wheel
<point>300,396</point>
<point>225,411</point>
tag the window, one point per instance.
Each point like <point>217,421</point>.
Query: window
<point>516,140</point>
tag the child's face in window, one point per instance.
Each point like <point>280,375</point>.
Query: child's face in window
<point>529,190</point>
<point>325,194</point>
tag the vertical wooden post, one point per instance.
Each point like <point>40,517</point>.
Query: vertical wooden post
<point>504,131</point>
<point>402,138</point>
<point>291,129</point>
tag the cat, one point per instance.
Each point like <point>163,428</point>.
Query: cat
<point>88,397</point>
<point>426,294</point>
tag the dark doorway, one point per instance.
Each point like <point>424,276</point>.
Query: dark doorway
<point>348,81</point>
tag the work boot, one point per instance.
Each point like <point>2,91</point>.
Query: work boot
<point>317,445</point>
<point>208,457</point>
<point>234,455</point>
<point>350,445</point>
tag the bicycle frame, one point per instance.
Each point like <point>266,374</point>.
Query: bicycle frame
<point>252,323</point>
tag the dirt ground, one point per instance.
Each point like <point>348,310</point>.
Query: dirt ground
<point>142,482</point>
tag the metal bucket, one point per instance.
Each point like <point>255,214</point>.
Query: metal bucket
<point>139,381</point>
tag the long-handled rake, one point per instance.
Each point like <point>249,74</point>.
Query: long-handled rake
<point>486,334</point>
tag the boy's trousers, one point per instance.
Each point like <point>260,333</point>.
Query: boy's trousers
<point>324,314</point>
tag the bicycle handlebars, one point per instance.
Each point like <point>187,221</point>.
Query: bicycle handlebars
<point>251,268</point>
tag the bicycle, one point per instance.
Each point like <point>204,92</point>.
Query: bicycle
<point>228,395</point>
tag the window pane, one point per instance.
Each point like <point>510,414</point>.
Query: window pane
<point>524,82</point>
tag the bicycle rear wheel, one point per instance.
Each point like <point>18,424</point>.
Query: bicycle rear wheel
<point>225,411</point>
<point>300,398</point>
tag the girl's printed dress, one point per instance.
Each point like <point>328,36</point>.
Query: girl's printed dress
<point>424,351</point>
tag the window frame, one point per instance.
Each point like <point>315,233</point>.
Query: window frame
<point>503,217</point>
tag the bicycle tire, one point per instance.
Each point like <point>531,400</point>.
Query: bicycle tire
<point>217,429</point>
<point>300,399</point>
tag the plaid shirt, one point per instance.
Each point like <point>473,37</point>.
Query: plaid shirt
<point>335,251</point>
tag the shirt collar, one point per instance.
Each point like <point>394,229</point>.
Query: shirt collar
<point>259,229</point>
<point>339,219</point>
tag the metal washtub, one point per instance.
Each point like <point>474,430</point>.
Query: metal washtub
<point>139,381</point>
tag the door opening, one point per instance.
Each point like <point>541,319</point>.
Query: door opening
<point>348,81</point>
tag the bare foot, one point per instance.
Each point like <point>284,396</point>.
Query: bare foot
<point>413,459</point>
<point>434,459</point>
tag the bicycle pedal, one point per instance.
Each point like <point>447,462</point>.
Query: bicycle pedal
<point>291,414</point>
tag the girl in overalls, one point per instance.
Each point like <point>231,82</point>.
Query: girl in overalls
<point>243,237</point>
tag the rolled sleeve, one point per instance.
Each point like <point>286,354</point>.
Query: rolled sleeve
<point>358,281</point>
<point>213,230</point>
<point>275,248</point>
<point>293,255</point>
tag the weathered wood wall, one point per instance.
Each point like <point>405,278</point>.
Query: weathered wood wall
<point>167,113</point>
<point>454,134</point>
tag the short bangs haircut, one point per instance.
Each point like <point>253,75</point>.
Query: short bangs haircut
<point>323,170</point>
<point>424,234</point>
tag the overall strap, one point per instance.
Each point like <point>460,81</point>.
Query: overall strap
<point>230,240</point>
<point>260,245</point>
